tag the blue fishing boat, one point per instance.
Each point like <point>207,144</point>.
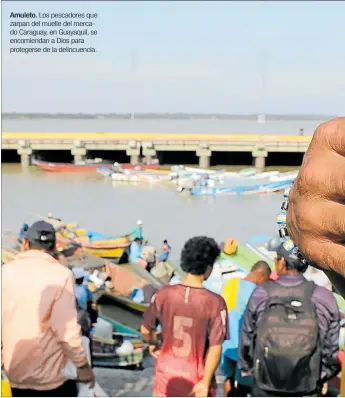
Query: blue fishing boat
<point>241,190</point>
<point>105,172</point>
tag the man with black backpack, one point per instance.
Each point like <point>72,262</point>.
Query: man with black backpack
<point>290,333</point>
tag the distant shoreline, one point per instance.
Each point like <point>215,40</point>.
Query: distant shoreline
<point>159,116</point>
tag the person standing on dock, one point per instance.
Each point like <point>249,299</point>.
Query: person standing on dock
<point>296,328</point>
<point>40,330</point>
<point>236,293</point>
<point>194,325</point>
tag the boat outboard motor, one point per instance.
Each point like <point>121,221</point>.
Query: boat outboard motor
<point>273,244</point>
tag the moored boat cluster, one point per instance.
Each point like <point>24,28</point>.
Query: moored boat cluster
<point>194,181</point>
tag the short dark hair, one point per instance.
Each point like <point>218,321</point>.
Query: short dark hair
<point>198,253</point>
<point>292,263</point>
<point>165,241</point>
<point>261,267</point>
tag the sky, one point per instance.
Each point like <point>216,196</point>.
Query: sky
<point>198,56</point>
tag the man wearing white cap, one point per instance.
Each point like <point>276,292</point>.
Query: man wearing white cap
<point>137,232</point>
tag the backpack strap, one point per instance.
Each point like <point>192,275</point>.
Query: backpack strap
<point>271,286</point>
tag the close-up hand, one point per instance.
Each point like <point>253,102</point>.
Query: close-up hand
<point>85,374</point>
<point>316,214</point>
<point>200,390</point>
<point>154,351</point>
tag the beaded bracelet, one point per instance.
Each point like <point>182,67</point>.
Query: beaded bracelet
<point>289,245</point>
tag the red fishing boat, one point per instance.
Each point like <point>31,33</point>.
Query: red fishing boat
<point>89,166</point>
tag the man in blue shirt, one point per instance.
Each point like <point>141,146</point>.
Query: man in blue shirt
<point>135,254</point>
<point>166,252</point>
<point>82,292</point>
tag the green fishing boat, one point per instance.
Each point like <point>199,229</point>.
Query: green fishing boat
<point>108,350</point>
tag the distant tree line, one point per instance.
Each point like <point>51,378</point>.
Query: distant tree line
<point>141,116</point>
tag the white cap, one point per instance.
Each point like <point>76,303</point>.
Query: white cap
<point>78,272</point>
<point>139,222</point>
<point>50,215</point>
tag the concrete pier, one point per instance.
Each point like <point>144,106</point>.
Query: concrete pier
<point>260,162</point>
<point>134,155</point>
<point>260,154</point>
<point>204,161</point>
<point>25,156</point>
<point>134,159</point>
<point>133,151</point>
<point>79,153</point>
<point>149,145</point>
<point>204,154</point>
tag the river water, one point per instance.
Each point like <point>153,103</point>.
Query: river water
<point>113,208</point>
<point>191,126</point>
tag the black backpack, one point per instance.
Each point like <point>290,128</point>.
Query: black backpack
<point>287,353</point>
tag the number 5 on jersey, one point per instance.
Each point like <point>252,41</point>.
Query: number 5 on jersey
<point>182,332</point>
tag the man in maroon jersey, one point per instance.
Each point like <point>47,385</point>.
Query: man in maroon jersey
<point>194,325</point>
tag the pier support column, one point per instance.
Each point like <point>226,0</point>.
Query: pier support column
<point>25,156</point>
<point>149,153</point>
<point>78,153</point>
<point>260,163</point>
<point>134,155</point>
<point>204,158</point>
<point>260,155</point>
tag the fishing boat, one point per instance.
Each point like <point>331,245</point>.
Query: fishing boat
<point>126,280</point>
<point>193,170</point>
<point>243,259</point>
<point>108,340</point>
<point>241,190</point>
<point>90,166</point>
<point>97,244</point>
<point>291,175</point>
<point>86,166</point>
<point>145,176</point>
<point>12,244</point>
<point>132,286</point>
<point>134,175</point>
<point>153,165</point>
